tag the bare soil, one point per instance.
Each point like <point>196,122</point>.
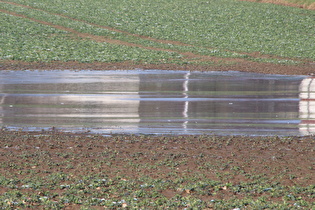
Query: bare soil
<point>267,68</point>
<point>280,161</point>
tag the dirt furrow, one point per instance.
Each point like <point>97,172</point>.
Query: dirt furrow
<point>188,55</point>
<point>85,35</point>
<point>104,27</point>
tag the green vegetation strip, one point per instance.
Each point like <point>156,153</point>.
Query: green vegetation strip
<point>221,28</point>
<point>58,170</point>
<point>302,2</point>
<point>29,41</point>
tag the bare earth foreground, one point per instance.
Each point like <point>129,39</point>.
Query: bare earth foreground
<point>62,170</point>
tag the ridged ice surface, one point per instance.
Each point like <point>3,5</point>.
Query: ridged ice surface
<point>158,102</point>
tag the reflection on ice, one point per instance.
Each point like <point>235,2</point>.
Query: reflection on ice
<point>70,99</point>
<point>185,94</point>
<point>158,102</point>
<point>307,106</point>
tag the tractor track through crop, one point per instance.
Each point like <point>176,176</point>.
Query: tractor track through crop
<point>104,27</point>
<point>100,38</point>
<point>84,35</point>
<point>97,38</point>
<point>188,55</point>
<point>306,67</point>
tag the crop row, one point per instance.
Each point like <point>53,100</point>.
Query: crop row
<point>82,26</point>
<point>224,25</point>
<point>212,29</point>
<point>25,40</point>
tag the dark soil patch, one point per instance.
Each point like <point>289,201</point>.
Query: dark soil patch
<point>202,167</point>
<point>267,68</point>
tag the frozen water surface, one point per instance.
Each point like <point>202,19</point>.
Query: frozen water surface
<point>158,102</point>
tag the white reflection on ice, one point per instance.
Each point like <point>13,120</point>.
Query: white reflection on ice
<point>159,101</point>
<point>185,93</point>
<point>307,106</point>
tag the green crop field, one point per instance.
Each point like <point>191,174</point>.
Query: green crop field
<point>52,170</point>
<point>308,3</point>
<point>154,31</point>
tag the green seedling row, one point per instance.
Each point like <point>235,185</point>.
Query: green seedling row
<point>84,27</point>
<point>23,39</point>
<point>214,28</point>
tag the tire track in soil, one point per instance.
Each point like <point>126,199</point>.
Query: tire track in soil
<point>99,38</point>
<point>189,55</point>
<point>104,27</point>
<point>85,35</point>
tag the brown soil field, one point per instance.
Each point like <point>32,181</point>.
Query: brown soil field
<point>234,162</point>
<point>245,66</point>
<point>275,157</point>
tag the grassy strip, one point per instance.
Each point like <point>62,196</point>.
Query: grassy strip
<point>221,26</point>
<point>84,27</point>
<point>306,4</point>
<point>26,40</point>
<point>224,24</point>
<point>58,170</point>
<point>302,2</point>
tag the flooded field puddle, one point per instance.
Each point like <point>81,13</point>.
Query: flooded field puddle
<point>158,102</point>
